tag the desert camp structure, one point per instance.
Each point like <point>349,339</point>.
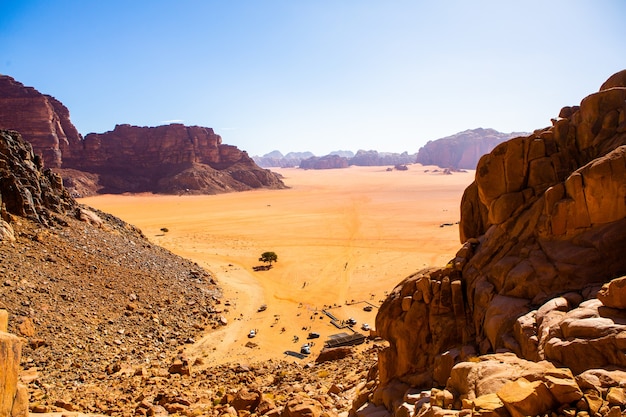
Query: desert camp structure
<point>344,339</point>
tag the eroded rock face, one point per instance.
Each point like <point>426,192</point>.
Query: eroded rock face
<point>169,159</point>
<point>26,189</point>
<point>166,159</point>
<point>42,120</point>
<point>462,150</point>
<point>544,227</point>
<point>325,162</point>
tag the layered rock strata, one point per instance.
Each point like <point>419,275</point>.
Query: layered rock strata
<point>163,159</point>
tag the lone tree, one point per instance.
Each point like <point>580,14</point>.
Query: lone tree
<point>268,257</point>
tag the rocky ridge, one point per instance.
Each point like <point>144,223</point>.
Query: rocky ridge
<point>336,159</point>
<point>540,276</point>
<point>165,159</point>
<point>462,150</point>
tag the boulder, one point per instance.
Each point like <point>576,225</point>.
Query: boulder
<point>302,407</point>
<point>247,400</point>
<point>524,398</point>
<point>333,354</point>
<point>13,395</point>
<point>613,293</point>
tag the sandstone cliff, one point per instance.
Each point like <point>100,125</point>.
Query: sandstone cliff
<point>163,159</point>
<point>168,159</point>
<point>42,120</point>
<point>543,227</point>
<point>462,150</point>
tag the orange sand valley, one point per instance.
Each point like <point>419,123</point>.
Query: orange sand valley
<point>343,238</point>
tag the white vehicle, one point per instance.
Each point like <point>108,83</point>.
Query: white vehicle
<point>252,334</point>
<point>365,327</point>
<point>351,321</point>
<point>305,349</point>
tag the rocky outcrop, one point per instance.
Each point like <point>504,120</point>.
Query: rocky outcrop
<point>325,162</point>
<point>42,120</point>
<point>544,227</point>
<point>277,159</point>
<point>163,159</point>
<point>13,394</point>
<point>362,158</point>
<point>26,189</point>
<point>462,150</point>
<point>374,158</point>
<point>168,159</point>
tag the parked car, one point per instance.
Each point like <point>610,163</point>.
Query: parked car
<point>262,308</point>
<point>252,334</point>
<point>365,327</point>
<point>313,335</point>
<point>305,349</point>
<point>367,308</point>
<point>351,321</point>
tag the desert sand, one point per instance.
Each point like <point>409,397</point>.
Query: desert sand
<point>343,237</point>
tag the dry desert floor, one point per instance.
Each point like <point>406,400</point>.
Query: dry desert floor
<point>344,238</point>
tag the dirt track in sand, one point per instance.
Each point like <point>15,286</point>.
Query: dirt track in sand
<point>343,238</point>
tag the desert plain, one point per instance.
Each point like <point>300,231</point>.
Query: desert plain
<point>344,239</point>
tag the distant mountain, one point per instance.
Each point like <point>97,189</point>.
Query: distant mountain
<point>459,151</point>
<point>325,162</point>
<point>462,150</point>
<point>374,158</point>
<point>345,154</point>
<point>362,158</point>
<point>277,159</point>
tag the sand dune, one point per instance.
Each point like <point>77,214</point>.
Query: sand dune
<point>343,238</point>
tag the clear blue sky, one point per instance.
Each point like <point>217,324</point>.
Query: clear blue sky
<point>317,75</point>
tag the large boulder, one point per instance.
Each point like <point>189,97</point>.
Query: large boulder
<point>13,395</point>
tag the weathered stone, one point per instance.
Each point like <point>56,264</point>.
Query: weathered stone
<point>247,400</point>
<point>333,354</point>
<point>524,398</point>
<point>487,405</point>
<point>302,407</point>
<point>613,293</point>
<point>616,396</point>
<point>4,320</point>
<point>27,327</point>
<point>20,403</point>
<point>10,354</point>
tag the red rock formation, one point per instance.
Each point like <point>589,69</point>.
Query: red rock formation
<point>41,119</point>
<point>169,159</point>
<point>462,150</point>
<point>543,226</point>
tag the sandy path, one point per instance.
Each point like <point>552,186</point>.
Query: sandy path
<point>340,235</point>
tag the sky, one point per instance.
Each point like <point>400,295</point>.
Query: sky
<point>314,75</point>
